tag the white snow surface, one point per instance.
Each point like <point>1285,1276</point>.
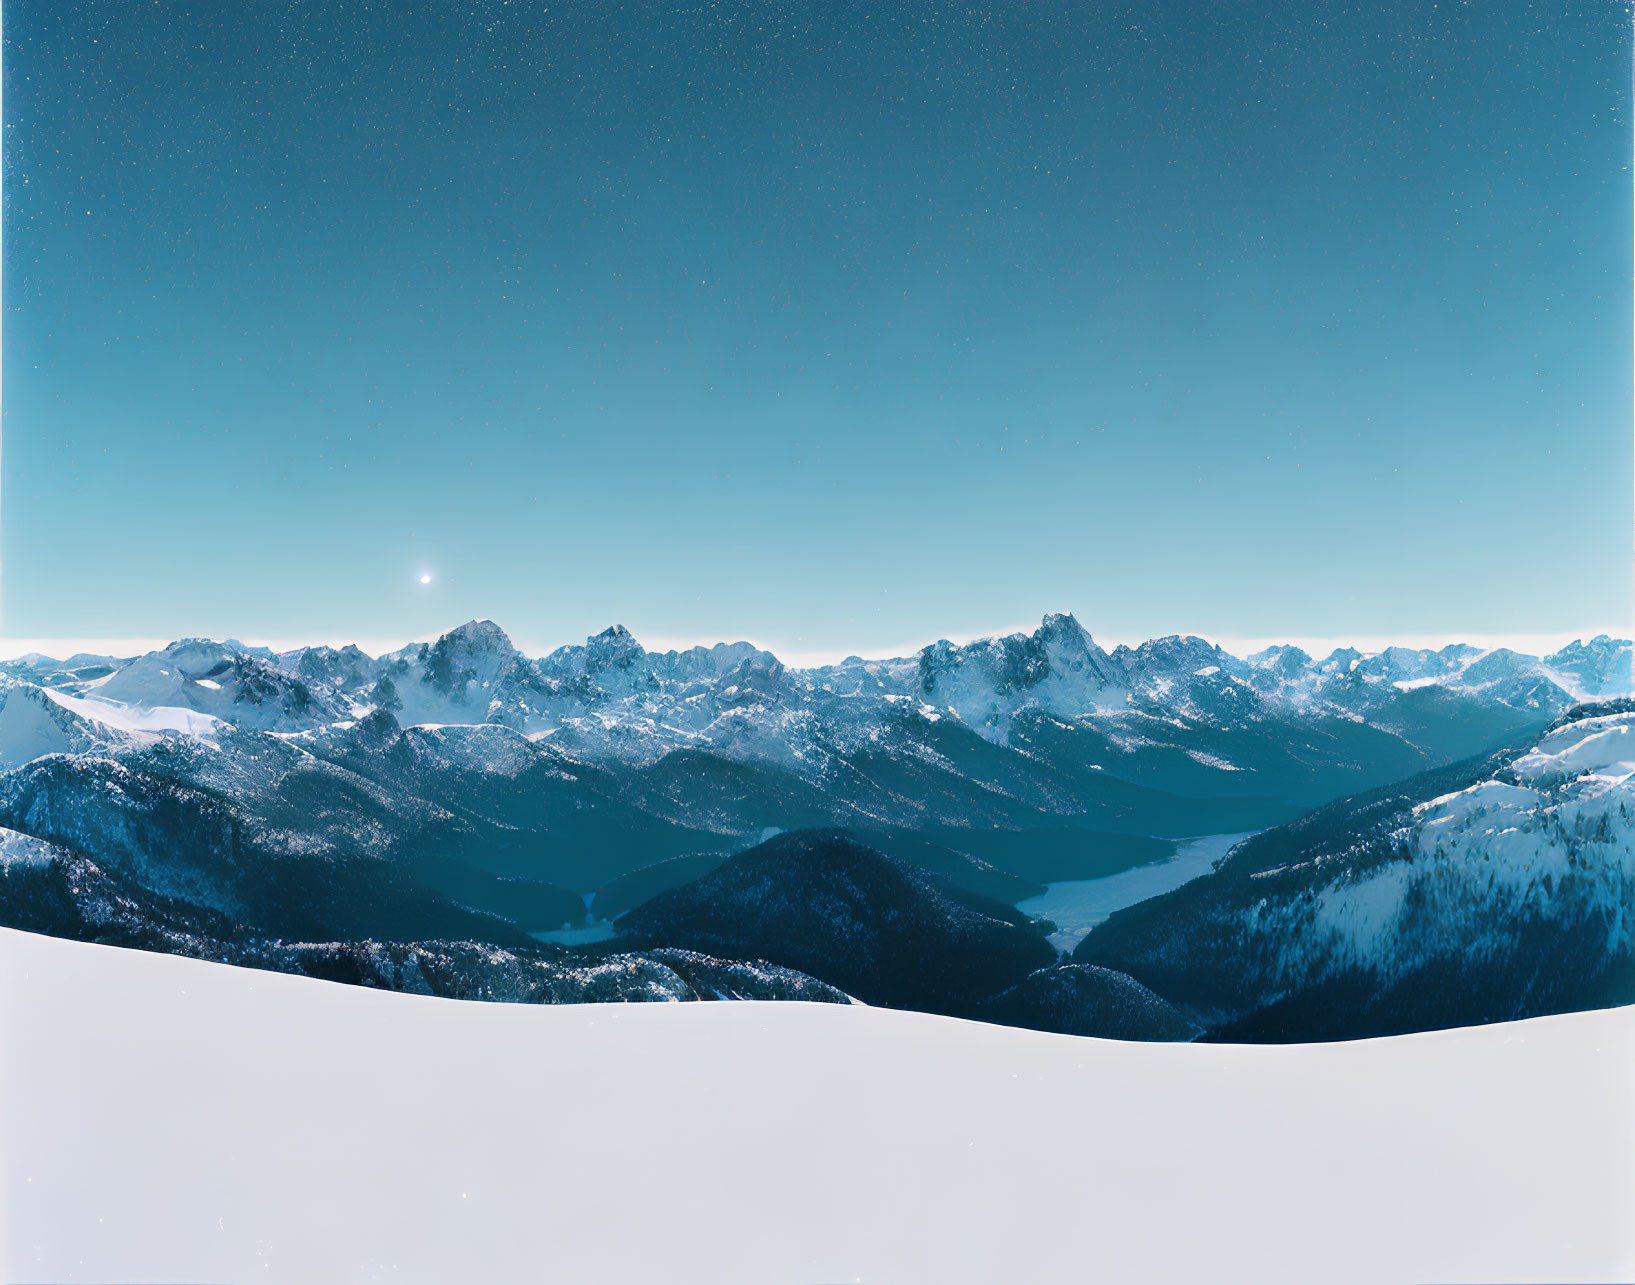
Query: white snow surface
<point>153,720</point>
<point>172,1119</point>
<point>24,851</point>
<point>1578,789</point>
<point>28,729</point>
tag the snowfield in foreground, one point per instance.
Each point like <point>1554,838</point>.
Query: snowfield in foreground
<point>170,1119</point>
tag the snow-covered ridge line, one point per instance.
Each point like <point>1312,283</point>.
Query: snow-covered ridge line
<point>1494,887</point>
<point>613,698</point>
<point>1591,664</point>
<point>1560,816</point>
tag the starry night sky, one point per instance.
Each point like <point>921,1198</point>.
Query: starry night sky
<point>837,326</point>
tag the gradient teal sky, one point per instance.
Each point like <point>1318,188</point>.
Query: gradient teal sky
<point>830,325</point>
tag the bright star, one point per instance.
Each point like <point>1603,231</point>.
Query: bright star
<point>425,578</point>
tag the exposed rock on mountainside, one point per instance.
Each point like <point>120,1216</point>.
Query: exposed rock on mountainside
<point>1601,667</point>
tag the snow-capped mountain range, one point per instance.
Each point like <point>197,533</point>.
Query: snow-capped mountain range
<point>612,700</point>
<point>460,818</point>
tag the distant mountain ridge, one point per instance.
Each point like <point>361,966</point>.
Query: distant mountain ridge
<point>612,699</point>
<point>610,822</point>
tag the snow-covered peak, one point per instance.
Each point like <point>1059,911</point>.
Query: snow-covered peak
<point>754,679</point>
<point>1071,651</point>
<point>222,680</point>
<point>1405,664</point>
<point>74,673</point>
<point>187,660</point>
<point>1342,660</point>
<point>32,724</point>
<point>736,698</point>
<point>477,638</point>
<point>471,674</point>
<point>346,669</point>
<point>1601,746</point>
<point>614,649</point>
<point>1063,629</point>
<point>29,665</point>
<point>259,652</point>
<point>1178,653</point>
<point>1281,669</point>
<point>986,683</point>
<point>1283,658</point>
<point>705,664</point>
<point>1190,676</point>
<point>1522,682</point>
<point>1604,666</point>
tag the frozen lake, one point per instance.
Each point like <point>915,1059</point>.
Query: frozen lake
<point>1078,905</point>
<point>596,930</point>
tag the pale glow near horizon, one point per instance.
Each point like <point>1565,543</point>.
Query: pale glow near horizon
<point>794,655</point>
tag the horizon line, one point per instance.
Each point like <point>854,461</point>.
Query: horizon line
<point>1539,643</point>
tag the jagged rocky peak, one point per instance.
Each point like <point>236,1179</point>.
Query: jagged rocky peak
<point>1284,668</point>
<point>1187,675</point>
<point>1604,666</point>
<point>1070,649</point>
<point>1003,664</point>
<point>1505,667</point>
<point>713,662</point>
<point>1179,654</point>
<point>1522,682</point>
<point>459,678</point>
<point>1062,627</point>
<point>225,680</point>
<point>188,663</point>
<point>344,668</point>
<point>1017,662</point>
<point>614,649</point>
<point>479,636</point>
<point>1284,660</point>
<point>190,658</point>
<point>377,729</point>
<point>1407,664</point>
<point>476,639</point>
<point>479,651</point>
<point>1342,660</point>
<point>757,675</point>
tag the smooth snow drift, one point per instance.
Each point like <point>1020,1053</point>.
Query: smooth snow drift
<point>169,1119</point>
